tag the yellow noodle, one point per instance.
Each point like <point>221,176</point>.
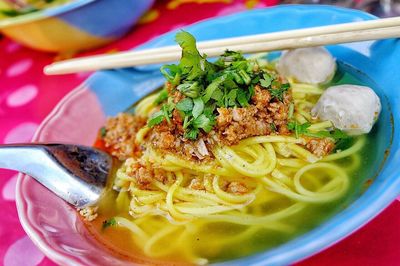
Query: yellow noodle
<point>132,227</point>
<point>360,142</point>
<point>144,107</point>
<point>152,252</point>
<point>306,89</point>
<point>300,118</point>
<point>282,149</point>
<point>142,134</point>
<point>320,126</point>
<point>229,197</point>
<point>296,163</point>
<point>303,153</point>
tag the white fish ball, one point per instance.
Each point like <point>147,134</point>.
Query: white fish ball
<point>313,65</point>
<point>351,108</point>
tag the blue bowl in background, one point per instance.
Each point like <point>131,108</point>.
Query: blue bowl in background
<point>75,26</point>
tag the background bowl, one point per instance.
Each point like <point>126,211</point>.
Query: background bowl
<point>55,227</point>
<point>75,26</point>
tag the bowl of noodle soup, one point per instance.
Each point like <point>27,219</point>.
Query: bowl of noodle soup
<point>235,215</point>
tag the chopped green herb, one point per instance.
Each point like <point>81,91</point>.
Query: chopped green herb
<point>279,92</point>
<point>191,64</point>
<point>343,143</point>
<point>273,127</point>
<point>245,77</point>
<point>109,222</point>
<point>185,105</point>
<point>336,134</point>
<point>212,87</point>
<point>266,81</point>
<point>204,123</point>
<point>299,129</point>
<point>231,98</point>
<point>155,119</point>
<point>217,95</point>
<point>242,98</point>
<point>167,112</point>
<point>191,134</point>
<point>162,96</point>
<point>198,107</point>
<point>229,82</point>
<point>172,73</point>
<point>228,58</point>
<point>191,90</point>
<point>103,132</point>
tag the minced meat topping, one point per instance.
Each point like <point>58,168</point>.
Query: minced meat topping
<point>204,104</point>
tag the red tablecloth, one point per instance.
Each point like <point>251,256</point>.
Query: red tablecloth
<point>27,96</point>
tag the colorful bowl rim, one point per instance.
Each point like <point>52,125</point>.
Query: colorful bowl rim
<point>44,13</point>
<point>348,224</point>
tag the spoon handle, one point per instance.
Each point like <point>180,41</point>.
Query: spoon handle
<point>50,167</point>
<point>21,157</point>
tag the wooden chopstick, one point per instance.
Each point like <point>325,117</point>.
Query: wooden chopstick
<point>317,36</point>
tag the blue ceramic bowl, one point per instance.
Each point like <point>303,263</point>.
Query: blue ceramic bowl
<point>65,239</point>
<point>77,25</point>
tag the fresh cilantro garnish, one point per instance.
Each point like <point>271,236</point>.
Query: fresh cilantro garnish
<point>172,73</point>
<point>103,132</point>
<point>230,99</point>
<point>164,113</point>
<point>191,134</point>
<point>242,98</point>
<point>228,83</point>
<point>203,122</point>
<point>167,111</point>
<point>198,107</point>
<point>343,143</point>
<point>229,58</point>
<point>265,81</point>
<point>273,127</point>
<point>212,87</point>
<point>335,134</point>
<point>162,96</point>
<point>185,105</point>
<point>193,65</point>
<point>299,129</point>
<point>109,222</point>
<point>278,90</point>
<point>155,119</point>
<point>342,140</point>
<point>190,89</point>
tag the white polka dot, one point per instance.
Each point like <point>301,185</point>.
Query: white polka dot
<point>9,188</point>
<point>19,67</point>
<point>23,253</point>
<point>21,133</point>
<point>22,96</point>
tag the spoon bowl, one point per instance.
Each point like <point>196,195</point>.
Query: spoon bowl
<point>77,174</point>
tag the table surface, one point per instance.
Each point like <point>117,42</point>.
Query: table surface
<point>27,96</point>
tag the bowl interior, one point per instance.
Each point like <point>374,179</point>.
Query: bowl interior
<point>55,227</point>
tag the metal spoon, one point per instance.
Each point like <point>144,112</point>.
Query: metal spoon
<point>77,174</point>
